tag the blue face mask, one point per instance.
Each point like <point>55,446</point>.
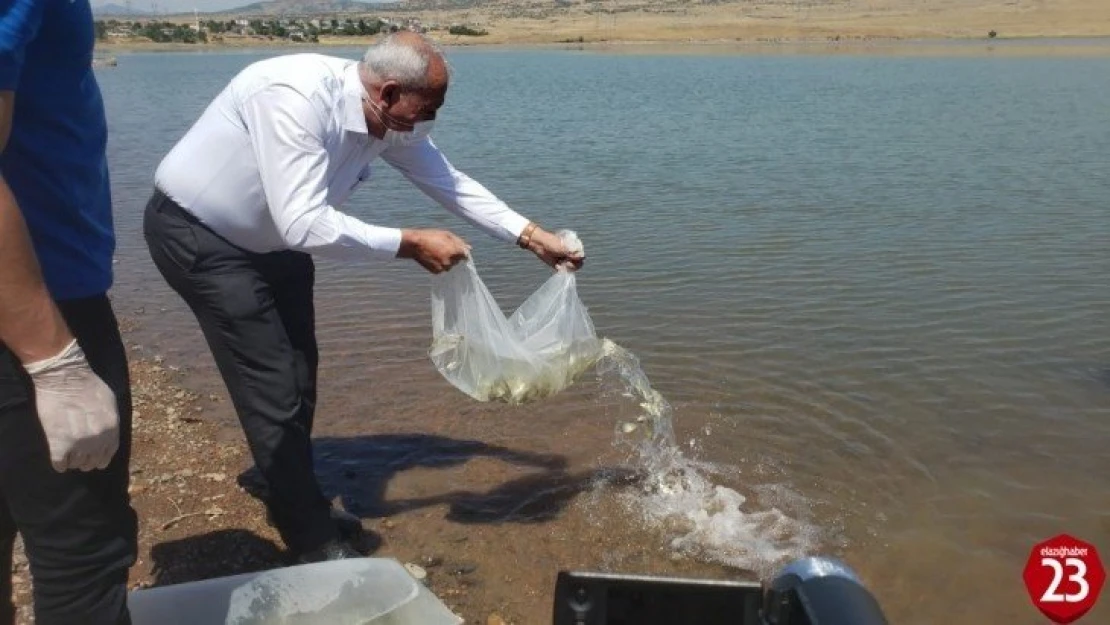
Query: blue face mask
<point>419,132</point>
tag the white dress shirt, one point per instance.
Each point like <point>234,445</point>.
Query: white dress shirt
<point>285,143</point>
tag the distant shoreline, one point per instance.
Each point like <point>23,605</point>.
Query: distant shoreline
<point>1037,45</point>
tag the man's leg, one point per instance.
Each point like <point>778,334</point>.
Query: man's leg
<point>78,528</point>
<point>266,373</point>
<point>293,297</point>
<point>292,276</point>
<point>7,543</point>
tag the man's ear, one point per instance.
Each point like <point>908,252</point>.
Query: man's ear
<point>390,92</point>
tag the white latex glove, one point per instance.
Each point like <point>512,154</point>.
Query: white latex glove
<point>77,410</point>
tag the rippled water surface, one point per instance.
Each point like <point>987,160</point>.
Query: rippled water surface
<point>873,290</point>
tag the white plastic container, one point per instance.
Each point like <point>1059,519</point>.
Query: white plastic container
<point>359,591</point>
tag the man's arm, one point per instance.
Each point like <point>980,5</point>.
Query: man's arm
<point>77,410</point>
<point>30,324</point>
<point>426,167</point>
<point>286,131</point>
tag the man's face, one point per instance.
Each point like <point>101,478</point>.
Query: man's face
<point>392,108</point>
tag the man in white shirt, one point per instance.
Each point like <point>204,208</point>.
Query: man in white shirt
<point>249,194</point>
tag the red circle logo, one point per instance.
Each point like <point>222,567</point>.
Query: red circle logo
<point>1064,577</point>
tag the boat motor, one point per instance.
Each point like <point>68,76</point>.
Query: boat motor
<point>809,591</point>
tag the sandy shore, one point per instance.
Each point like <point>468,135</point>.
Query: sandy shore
<point>1026,26</point>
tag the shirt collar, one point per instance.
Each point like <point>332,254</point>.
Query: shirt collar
<point>353,91</point>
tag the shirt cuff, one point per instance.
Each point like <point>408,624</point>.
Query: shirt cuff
<point>514,225</point>
<point>385,242</point>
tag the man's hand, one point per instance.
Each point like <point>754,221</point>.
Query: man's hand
<point>77,411</point>
<point>435,250</point>
<point>554,251</point>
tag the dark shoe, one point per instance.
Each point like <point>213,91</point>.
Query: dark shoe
<point>331,550</point>
<point>349,526</point>
<point>254,484</point>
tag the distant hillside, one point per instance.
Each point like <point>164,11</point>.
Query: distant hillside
<point>305,7</point>
<point>116,10</point>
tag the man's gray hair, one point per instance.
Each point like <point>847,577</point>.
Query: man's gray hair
<point>392,58</point>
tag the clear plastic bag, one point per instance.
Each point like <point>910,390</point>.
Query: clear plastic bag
<point>537,352</point>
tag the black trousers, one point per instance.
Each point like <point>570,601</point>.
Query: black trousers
<point>79,530</point>
<point>257,315</point>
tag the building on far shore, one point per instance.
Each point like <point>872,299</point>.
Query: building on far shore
<point>287,26</point>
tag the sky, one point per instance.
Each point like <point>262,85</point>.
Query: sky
<point>181,6</point>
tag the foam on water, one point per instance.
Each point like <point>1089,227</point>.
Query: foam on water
<point>703,520</point>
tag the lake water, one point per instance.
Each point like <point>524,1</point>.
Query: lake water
<point>873,290</point>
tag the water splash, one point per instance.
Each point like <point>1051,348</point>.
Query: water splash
<point>702,519</point>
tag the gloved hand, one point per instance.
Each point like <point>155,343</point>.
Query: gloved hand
<point>77,410</point>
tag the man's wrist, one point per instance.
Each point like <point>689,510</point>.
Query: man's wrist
<point>51,338</point>
<point>407,246</point>
<point>524,241</point>
<point>69,355</point>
